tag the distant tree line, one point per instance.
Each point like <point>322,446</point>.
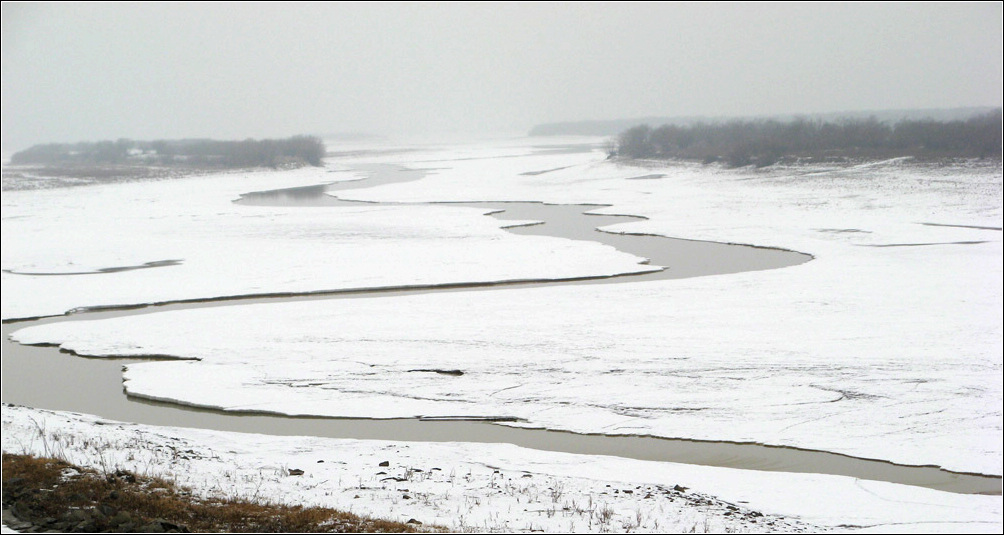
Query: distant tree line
<point>297,150</point>
<point>612,127</point>
<point>766,142</point>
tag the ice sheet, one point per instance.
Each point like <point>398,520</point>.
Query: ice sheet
<point>887,345</point>
<point>56,241</point>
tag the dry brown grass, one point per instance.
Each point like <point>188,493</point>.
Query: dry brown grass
<point>47,492</point>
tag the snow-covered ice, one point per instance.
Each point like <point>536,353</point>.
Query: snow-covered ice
<point>887,345</point>
<point>875,349</point>
<point>226,249</point>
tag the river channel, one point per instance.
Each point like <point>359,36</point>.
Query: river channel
<point>44,377</point>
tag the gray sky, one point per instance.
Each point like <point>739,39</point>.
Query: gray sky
<point>81,71</point>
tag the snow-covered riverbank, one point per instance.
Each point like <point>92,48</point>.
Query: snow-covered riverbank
<point>497,487</point>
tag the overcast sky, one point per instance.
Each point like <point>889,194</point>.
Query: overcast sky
<point>80,71</point>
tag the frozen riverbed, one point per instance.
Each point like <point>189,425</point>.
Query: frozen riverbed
<point>886,346</point>
<point>873,350</point>
<point>218,248</point>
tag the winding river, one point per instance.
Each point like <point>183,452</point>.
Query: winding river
<point>44,377</point>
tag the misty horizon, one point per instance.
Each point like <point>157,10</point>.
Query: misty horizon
<point>85,72</point>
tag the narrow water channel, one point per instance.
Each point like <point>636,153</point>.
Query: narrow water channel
<point>44,377</point>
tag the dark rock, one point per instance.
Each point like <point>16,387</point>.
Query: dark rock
<point>162,526</point>
<point>152,527</point>
<point>413,521</point>
<point>406,497</point>
<point>121,518</point>
<point>171,526</point>
<point>385,463</point>
<point>295,472</point>
<point>125,476</point>
<point>14,522</point>
<point>86,526</point>
<point>679,488</point>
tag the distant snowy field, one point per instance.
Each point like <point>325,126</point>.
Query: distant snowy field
<point>227,249</point>
<point>887,345</point>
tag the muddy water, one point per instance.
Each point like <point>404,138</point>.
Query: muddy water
<point>680,258</point>
<point>44,377</point>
